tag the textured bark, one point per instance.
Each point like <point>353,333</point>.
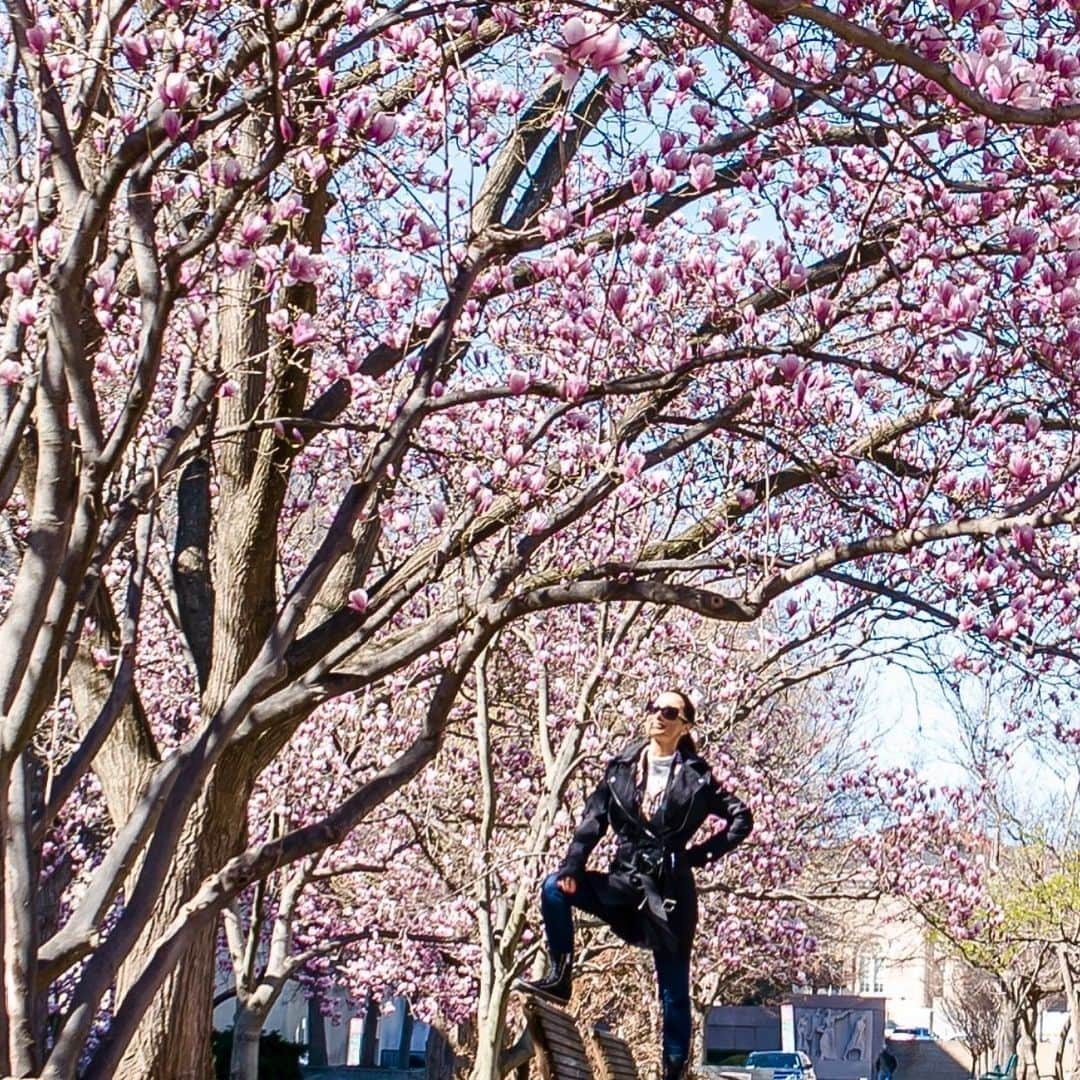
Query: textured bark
<point>438,1056</point>
<point>245,1050</point>
<point>1059,1053</point>
<point>173,1041</point>
<point>191,564</point>
<point>1028,1067</point>
<point>316,1025</point>
<point>1072,998</point>
<point>125,760</point>
<point>257,990</point>
<point>367,1037</point>
<point>491,1024</point>
<point>226,625</point>
<point>20,928</point>
<point>1008,1032</point>
<point>5,1062</point>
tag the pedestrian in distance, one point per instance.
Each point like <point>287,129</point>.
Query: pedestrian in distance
<point>885,1065</point>
<point>654,796</point>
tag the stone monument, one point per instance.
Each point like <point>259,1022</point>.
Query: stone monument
<point>841,1034</point>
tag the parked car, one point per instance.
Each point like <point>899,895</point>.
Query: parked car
<point>909,1034</point>
<point>780,1065</point>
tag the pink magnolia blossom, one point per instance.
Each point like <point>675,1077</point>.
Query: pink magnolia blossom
<point>27,311</point>
<point>37,38</point>
<point>11,372</point>
<point>589,43</point>
<point>172,122</point>
<point>662,179</point>
<point>702,172</point>
<point>1020,466</point>
<point>575,387</point>
<point>137,50</point>
<point>175,90</point>
<point>633,465</point>
<point>789,366</point>
<point>381,127</point>
<point>304,331</point>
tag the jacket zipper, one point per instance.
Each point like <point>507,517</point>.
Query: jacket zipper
<point>644,824</point>
<point>689,805</point>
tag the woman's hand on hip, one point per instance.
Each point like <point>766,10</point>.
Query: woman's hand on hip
<point>566,885</point>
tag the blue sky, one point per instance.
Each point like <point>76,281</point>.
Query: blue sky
<point>912,722</point>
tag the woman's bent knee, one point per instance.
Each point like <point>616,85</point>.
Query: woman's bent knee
<point>550,889</point>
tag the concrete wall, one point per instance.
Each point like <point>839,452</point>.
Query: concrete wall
<point>937,1059</point>
<point>742,1028</point>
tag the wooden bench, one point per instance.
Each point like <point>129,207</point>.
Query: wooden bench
<point>613,1058</point>
<point>560,1052</point>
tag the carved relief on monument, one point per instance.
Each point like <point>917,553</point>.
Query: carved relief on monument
<point>834,1034</point>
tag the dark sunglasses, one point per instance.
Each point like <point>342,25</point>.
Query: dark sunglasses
<point>667,712</point>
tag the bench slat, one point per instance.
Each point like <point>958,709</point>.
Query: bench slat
<point>560,1049</point>
<point>564,1066</point>
<point>615,1060</point>
<point>567,1046</point>
<point>561,1031</point>
<point>569,1064</point>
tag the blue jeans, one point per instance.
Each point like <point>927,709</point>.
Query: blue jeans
<point>672,968</point>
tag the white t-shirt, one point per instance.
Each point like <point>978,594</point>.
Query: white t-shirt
<point>657,771</point>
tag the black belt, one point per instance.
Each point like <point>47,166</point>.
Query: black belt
<point>643,873</point>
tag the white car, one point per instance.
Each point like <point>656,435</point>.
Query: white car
<point>780,1065</point>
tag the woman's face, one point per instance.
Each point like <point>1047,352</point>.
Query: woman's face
<point>665,720</point>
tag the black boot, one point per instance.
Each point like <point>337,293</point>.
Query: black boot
<point>674,1068</point>
<point>556,984</point>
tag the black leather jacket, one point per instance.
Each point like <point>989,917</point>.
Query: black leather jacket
<point>652,857</point>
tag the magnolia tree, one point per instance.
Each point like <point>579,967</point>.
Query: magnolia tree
<point>340,337</point>
<point>490,818</point>
<point>972,1006</point>
<point>1026,945</point>
<point>367,905</point>
<point>468,843</point>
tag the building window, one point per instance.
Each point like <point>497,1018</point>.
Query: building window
<point>871,971</point>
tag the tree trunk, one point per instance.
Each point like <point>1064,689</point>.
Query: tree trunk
<point>19,937</point>
<point>316,1024</point>
<point>405,1042</point>
<point>173,1040</point>
<point>1059,1054</point>
<point>247,1030</point>
<point>1008,1032</point>
<point>1072,999</point>
<point>699,1051</point>
<point>491,1030</point>
<point>368,1046</point>
<point>1027,1051</point>
<point>438,1055</point>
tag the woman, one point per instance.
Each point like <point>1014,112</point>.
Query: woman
<point>654,796</point>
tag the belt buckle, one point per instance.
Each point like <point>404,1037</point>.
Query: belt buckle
<point>650,864</point>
